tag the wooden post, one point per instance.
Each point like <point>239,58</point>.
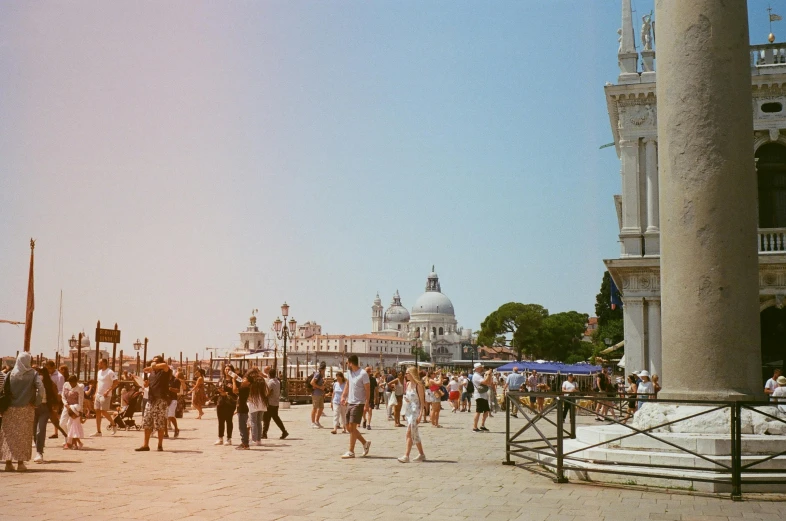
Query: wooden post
<point>144,361</point>
<point>181,360</point>
<point>114,351</point>
<point>210,367</point>
<point>137,364</point>
<point>95,369</point>
<point>120,369</point>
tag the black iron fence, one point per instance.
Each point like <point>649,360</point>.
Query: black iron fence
<point>549,419</point>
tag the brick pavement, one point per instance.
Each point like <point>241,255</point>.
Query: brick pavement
<point>303,477</point>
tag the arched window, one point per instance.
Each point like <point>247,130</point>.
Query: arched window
<point>441,331</point>
<point>434,331</point>
<point>246,345</point>
<point>771,175</point>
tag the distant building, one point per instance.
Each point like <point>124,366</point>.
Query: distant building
<point>592,325</point>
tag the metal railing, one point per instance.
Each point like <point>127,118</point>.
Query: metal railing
<point>548,448</point>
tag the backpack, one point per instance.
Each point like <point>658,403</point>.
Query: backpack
<point>308,383</point>
<point>470,386</point>
<point>444,396</point>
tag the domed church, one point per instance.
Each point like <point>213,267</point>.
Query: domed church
<point>433,321</point>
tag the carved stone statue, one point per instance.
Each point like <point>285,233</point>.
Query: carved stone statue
<point>619,32</point>
<point>646,32</point>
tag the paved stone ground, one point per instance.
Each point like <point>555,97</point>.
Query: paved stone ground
<point>303,477</point>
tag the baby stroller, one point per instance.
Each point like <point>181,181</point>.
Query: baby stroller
<point>125,419</point>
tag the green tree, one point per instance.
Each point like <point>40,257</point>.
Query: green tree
<point>514,325</point>
<point>610,323</point>
<point>420,354</point>
<point>560,337</point>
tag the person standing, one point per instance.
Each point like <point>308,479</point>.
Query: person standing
<point>645,389</point>
<point>198,395</point>
<point>242,392</point>
<point>434,381</point>
<point>171,410</point>
<point>772,383</point>
<point>317,395</point>
<point>397,389</point>
<point>105,385</point>
<point>569,387</point>
<point>372,386</point>
<point>225,408</point>
<point>481,383</point>
<point>513,384</point>
<point>356,397</point>
<point>274,394</point>
<point>339,410</point>
<point>59,380</point>
<point>73,401</point>
<point>257,403</point>
<point>46,410</point>
<point>414,396</point>
<point>158,401</point>
<point>16,430</point>
<point>454,393</point>
<point>389,392</point>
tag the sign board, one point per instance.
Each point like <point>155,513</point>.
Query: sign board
<point>108,336</point>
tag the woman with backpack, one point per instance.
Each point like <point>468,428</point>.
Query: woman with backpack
<point>22,394</point>
<point>437,393</point>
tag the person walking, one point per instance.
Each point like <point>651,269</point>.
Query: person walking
<point>158,402</point>
<point>415,395</point>
<point>225,408</point>
<point>356,397</point>
<point>372,386</point>
<point>317,395</point>
<point>274,394</point>
<point>58,378</point>
<point>513,384</point>
<point>105,385</point>
<point>257,403</point>
<point>481,383</point>
<point>630,394</point>
<point>397,389</point>
<point>569,387</point>
<point>242,391</point>
<point>171,410</point>
<point>198,395</point>
<point>339,410</point>
<point>16,429</point>
<point>48,409</point>
<point>454,393</point>
<point>435,386</point>
<point>71,420</point>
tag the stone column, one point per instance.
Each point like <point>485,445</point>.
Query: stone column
<point>635,336</point>
<point>709,261</point>
<point>654,337</point>
<point>651,162</point>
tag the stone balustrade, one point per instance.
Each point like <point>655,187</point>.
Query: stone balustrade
<point>772,240</point>
<point>768,54</point>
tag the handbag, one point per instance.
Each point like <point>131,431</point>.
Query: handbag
<point>481,389</point>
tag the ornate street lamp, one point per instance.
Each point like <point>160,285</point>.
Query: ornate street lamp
<point>284,331</point>
<point>77,342</point>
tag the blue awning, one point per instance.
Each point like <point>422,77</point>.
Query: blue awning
<point>551,367</point>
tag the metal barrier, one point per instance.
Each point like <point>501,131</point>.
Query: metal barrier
<point>553,454</point>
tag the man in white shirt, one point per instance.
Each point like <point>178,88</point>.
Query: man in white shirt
<point>59,381</point>
<point>356,396</point>
<point>772,383</point>
<point>569,386</point>
<point>106,383</point>
<point>481,382</point>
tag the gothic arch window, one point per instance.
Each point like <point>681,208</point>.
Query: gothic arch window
<point>771,175</point>
<point>442,331</point>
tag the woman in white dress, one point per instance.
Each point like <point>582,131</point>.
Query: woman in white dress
<point>73,401</point>
<point>413,397</point>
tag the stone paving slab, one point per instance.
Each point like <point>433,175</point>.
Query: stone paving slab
<point>303,478</point>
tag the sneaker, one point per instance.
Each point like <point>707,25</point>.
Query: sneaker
<point>284,436</point>
<point>39,458</point>
<point>403,459</point>
<point>160,448</point>
<point>314,426</point>
<point>368,428</point>
<point>219,441</point>
<point>364,424</point>
<point>177,433</point>
<point>320,426</point>
<point>420,458</point>
<point>366,448</point>
<point>346,455</point>
<point>333,431</point>
<point>484,429</point>
<point>242,447</point>
<point>53,436</point>
<point>142,449</point>
<point>264,436</point>
<point>96,435</point>
<point>476,430</point>
<point>229,441</point>
<point>114,428</point>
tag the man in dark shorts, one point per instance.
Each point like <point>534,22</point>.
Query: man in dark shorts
<point>356,396</point>
<point>373,390</point>
<point>158,402</point>
<point>482,382</point>
<point>318,395</point>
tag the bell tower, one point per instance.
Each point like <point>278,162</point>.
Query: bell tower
<point>376,315</point>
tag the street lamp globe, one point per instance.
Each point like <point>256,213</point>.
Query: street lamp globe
<point>607,341</point>
<point>277,325</point>
<point>285,310</point>
<point>292,326</point>
<point>137,345</point>
<point>72,342</point>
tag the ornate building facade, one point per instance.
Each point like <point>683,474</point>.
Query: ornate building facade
<point>632,108</point>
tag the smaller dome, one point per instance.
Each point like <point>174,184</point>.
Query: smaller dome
<point>85,341</point>
<point>397,314</point>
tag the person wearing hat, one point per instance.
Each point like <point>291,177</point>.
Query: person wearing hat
<point>779,393</point>
<point>569,387</point>
<point>772,383</point>
<point>481,383</point>
<point>317,395</point>
<point>645,389</point>
<point>513,383</point>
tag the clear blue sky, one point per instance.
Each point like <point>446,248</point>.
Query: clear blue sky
<point>181,164</point>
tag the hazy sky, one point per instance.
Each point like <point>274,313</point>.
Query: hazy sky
<point>181,163</point>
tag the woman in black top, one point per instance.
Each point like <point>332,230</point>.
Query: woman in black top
<point>242,390</point>
<point>225,409</point>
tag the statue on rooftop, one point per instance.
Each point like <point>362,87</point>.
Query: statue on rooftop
<point>646,32</point>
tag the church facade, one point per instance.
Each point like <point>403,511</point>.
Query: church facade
<point>633,112</point>
<point>432,322</point>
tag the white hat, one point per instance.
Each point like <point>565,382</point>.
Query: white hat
<point>477,364</point>
<point>644,373</point>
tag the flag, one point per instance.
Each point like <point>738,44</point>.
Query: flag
<point>615,296</point>
<point>30,300</point>
<point>775,17</point>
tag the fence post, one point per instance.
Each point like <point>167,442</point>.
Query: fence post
<point>508,405</point>
<point>560,436</point>
<point>736,451</point>
<point>573,420</point>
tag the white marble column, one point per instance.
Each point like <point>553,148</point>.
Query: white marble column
<point>630,234</point>
<point>653,337</point>
<point>708,196</point>
<point>651,162</point>
<point>635,336</point>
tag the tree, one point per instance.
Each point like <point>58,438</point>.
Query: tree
<point>560,336</point>
<point>420,354</point>
<point>521,321</point>
<point>610,322</point>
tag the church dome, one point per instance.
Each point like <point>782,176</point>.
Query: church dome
<point>433,302</point>
<point>396,312</point>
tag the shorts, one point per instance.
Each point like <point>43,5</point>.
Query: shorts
<point>482,405</point>
<point>155,415</point>
<point>532,400</point>
<point>318,401</point>
<point>171,409</point>
<point>454,395</point>
<point>355,412</point>
<point>465,395</point>
<point>102,403</point>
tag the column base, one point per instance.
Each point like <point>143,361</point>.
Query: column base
<point>720,395</point>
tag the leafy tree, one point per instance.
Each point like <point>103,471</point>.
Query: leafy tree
<point>560,336</point>
<point>420,354</point>
<point>610,322</point>
<point>514,325</point>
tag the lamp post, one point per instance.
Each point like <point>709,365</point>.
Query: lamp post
<point>285,333</point>
<point>473,350</point>
<point>137,347</point>
<point>77,343</point>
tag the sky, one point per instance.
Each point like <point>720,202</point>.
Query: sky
<point>182,163</point>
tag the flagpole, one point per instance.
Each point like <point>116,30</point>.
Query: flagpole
<point>30,300</point>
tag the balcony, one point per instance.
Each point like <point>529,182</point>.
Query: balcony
<point>769,56</point>
<point>772,240</point>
